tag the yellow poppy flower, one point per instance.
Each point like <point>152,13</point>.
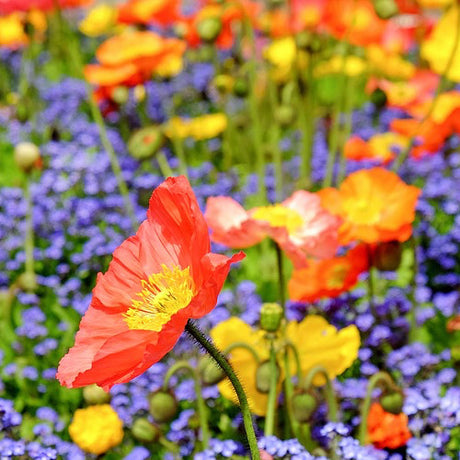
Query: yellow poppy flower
<point>12,33</point>
<point>318,344</point>
<point>438,48</point>
<point>100,20</point>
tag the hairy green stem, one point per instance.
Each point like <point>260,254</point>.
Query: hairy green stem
<point>223,363</point>
<point>201,406</point>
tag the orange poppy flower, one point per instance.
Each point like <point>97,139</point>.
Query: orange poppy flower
<point>386,430</point>
<point>378,148</point>
<point>157,280</point>
<point>354,20</point>
<point>375,205</point>
<point>132,58</point>
<point>158,12</point>
<point>329,277</point>
<point>299,225</point>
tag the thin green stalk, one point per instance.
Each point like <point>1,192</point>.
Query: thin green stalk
<point>201,406</point>
<point>370,281</point>
<point>333,409</point>
<point>309,125</point>
<point>116,169</point>
<point>413,286</point>
<point>178,146</point>
<point>163,164</point>
<point>274,143</point>
<point>256,127</point>
<point>376,379</point>
<point>347,128</point>
<point>29,239</point>
<point>272,394</point>
<point>223,363</point>
<point>439,90</point>
<point>281,277</point>
<point>76,58</point>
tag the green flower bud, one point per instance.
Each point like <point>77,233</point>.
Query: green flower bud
<point>240,87</point>
<point>144,431</point>
<point>386,9</point>
<point>271,315</point>
<point>455,353</point>
<point>145,142</point>
<point>93,394</point>
<point>209,371</point>
<point>379,98</point>
<point>209,29</point>
<point>392,402</point>
<point>120,95</point>
<point>263,376</point>
<point>26,155</point>
<point>285,115</point>
<point>163,406</point>
<point>387,256</point>
<point>303,406</point>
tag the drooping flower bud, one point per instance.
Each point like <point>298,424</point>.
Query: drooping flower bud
<point>94,394</point>
<point>120,95</point>
<point>379,98</point>
<point>386,9</point>
<point>303,406</point>
<point>284,115</point>
<point>271,315</point>
<point>240,87</point>
<point>209,371</point>
<point>26,155</point>
<point>263,377</point>
<point>145,142</point>
<point>387,256</point>
<point>392,402</point>
<point>163,406</point>
<point>144,431</point>
<point>209,29</point>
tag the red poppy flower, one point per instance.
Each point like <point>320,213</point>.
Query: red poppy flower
<point>387,430</point>
<point>158,279</point>
<point>11,6</point>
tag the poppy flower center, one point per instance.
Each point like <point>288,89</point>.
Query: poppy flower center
<point>279,216</point>
<point>162,296</point>
<point>336,277</point>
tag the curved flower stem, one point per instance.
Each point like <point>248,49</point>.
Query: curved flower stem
<point>377,379</point>
<point>328,390</point>
<point>271,402</point>
<point>223,363</point>
<point>289,387</point>
<point>29,239</point>
<point>201,406</point>
<point>281,277</point>
<point>439,90</point>
<point>245,346</point>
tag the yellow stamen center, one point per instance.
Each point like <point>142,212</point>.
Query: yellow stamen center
<point>161,297</point>
<point>279,216</point>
